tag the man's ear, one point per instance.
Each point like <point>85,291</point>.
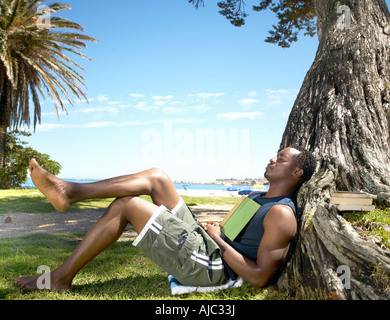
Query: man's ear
<point>298,172</point>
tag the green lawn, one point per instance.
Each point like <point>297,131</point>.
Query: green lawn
<point>32,201</point>
<point>121,272</point>
<point>375,224</point>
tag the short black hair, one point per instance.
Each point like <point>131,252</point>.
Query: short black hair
<point>305,161</point>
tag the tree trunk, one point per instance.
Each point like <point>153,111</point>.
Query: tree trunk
<point>342,114</point>
<point>3,136</point>
<point>5,102</point>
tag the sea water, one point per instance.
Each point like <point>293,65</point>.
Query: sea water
<point>179,186</point>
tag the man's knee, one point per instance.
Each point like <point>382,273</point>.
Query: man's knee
<point>127,203</point>
<point>158,176</point>
<point>121,202</point>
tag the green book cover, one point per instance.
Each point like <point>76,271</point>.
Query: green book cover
<point>239,217</point>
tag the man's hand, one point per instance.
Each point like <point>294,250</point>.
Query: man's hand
<point>213,229</point>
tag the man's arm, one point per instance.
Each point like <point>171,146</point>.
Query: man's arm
<point>279,229</point>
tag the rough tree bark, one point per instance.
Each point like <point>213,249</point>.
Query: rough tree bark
<point>5,100</point>
<point>342,114</point>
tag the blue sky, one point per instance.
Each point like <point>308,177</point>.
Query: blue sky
<point>176,88</point>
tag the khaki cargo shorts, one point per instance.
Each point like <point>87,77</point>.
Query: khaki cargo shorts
<point>175,242</point>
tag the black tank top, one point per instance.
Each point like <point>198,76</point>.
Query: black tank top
<point>248,241</point>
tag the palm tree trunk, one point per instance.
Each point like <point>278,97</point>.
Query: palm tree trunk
<point>3,136</point>
<point>4,114</point>
<point>342,114</point>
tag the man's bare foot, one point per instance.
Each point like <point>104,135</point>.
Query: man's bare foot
<point>53,188</point>
<point>31,283</point>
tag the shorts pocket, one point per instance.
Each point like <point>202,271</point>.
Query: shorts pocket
<point>185,261</point>
<point>168,244</point>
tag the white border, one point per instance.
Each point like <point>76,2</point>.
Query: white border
<point>177,207</point>
<point>153,218</point>
<point>148,225</point>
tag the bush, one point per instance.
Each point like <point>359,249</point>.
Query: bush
<point>17,158</point>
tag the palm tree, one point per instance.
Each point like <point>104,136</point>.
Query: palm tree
<point>33,61</point>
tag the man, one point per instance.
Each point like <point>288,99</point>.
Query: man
<point>168,233</point>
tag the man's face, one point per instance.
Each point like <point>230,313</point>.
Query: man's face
<point>282,166</point>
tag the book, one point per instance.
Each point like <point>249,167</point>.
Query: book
<point>355,207</point>
<point>352,201</point>
<point>238,217</point>
<point>350,194</point>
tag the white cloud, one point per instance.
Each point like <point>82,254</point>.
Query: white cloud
<point>247,103</point>
<point>280,97</point>
<point>46,127</point>
<point>145,106</point>
<point>188,120</point>
<point>53,113</point>
<point>136,95</point>
<point>53,126</point>
<point>98,109</point>
<point>202,108</point>
<point>286,114</point>
<point>123,106</point>
<point>102,97</point>
<point>114,102</point>
<point>140,105</point>
<point>178,120</point>
<point>131,123</point>
<point>279,91</point>
<point>205,95</point>
<point>240,115</point>
<point>169,97</point>
<point>170,110</point>
<point>159,103</point>
<point>98,124</point>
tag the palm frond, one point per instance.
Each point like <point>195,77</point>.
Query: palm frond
<point>14,10</point>
<point>35,61</point>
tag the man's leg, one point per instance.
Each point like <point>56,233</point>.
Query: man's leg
<point>103,234</point>
<point>62,194</point>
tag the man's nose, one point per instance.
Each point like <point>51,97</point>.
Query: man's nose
<point>272,160</point>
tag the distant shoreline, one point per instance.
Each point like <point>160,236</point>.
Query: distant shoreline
<point>197,187</point>
<point>242,182</point>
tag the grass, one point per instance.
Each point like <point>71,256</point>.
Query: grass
<point>32,201</point>
<point>121,272</point>
<point>375,224</point>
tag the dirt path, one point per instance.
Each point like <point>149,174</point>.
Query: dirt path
<point>21,224</point>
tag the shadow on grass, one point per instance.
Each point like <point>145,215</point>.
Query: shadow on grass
<point>120,272</point>
<point>31,203</point>
<point>26,204</point>
<point>137,286</point>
